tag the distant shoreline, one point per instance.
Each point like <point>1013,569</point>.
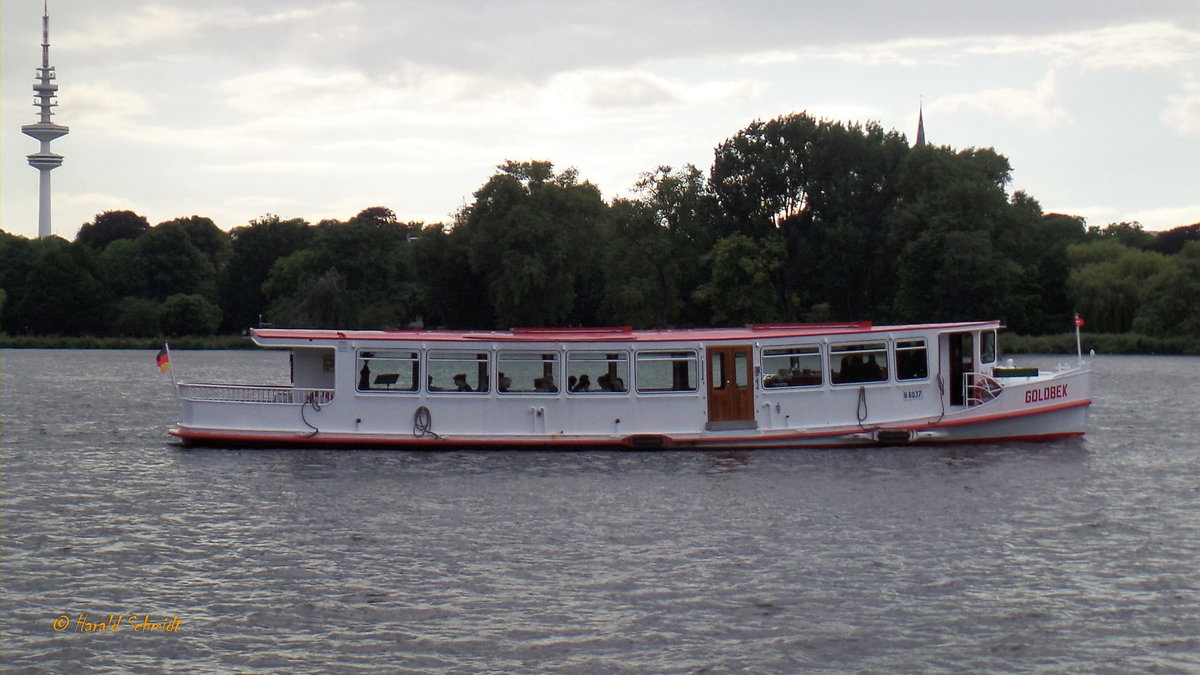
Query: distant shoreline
<point>1103,343</point>
<point>1062,343</point>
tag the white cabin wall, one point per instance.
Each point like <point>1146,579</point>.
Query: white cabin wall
<point>313,368</point>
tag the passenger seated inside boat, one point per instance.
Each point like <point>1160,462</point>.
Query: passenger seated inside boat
<point>545,383</point>
<point>871,372</point>
<point>505,381</point>
<point>610,383</point>
<point>460,382</point>
<point>583,384</point>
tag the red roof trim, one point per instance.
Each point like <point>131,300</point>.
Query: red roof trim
<point>835,325</point>
<point>288,337</point>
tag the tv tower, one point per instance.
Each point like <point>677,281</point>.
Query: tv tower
<point>44,130</point>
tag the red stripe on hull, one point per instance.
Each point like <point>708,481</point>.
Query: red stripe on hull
<point>844,437</point>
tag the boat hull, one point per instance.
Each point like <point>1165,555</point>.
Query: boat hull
<point>1047,424</point>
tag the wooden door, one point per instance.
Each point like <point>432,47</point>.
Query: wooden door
<point>730,387</point>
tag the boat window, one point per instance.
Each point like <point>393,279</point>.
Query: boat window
<point>792,366</point>
<point>388,370</point>
<point>527,372</point>
<point>912,363</point>
<point>865,362</point>
<point>987,347</point>
<point>597,372</point>
<point>666,371</point>
<point>457,370</point>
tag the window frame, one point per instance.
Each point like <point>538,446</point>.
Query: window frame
<point>988,338</point>
<point>790,352</point>
<point>528,356</point>
<point>840,351</point>
<point>481,371</point>
<point>899,347</point>
<point>690,357</point>
<point>619,358</point>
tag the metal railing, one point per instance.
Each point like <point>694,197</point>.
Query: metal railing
<point>253,393</point>
<point>980,388</point>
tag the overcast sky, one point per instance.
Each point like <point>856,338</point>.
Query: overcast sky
<point>320,108</point>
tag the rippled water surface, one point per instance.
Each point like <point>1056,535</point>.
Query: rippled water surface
<point>1072,557</point>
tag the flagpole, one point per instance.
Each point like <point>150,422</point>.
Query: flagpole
<point>166,351</point>
<point>1079,345</point>
<point>167,346</point>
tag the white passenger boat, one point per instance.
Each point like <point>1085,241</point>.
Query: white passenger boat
<point>762,386</point>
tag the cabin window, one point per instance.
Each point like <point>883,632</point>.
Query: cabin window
<point>527,372</point>
<point>457,371</point>
<point>725,370</point>
<point>388,370</point>
<point>666,371</point>
<point>597,372</point>
<point>792,367</point>
<point>987,347</point>
<point>866,362</point>
<point>912,363</point>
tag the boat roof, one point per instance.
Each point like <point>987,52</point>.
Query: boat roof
<point>296,337</point>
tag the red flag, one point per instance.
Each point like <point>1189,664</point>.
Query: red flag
<point>163,359</point>
<point>1078,321</point>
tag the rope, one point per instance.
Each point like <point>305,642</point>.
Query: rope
<point>316,406</point>
<point>941,395</point>
<point>862,412</point>
<point>423,423</point>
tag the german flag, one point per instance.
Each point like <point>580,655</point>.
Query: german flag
<point>163,359</point>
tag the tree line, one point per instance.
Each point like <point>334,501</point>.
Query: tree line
<point>798,220</point>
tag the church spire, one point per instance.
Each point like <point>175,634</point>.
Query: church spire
<point>920,127</point>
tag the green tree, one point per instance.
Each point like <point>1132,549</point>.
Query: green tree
<point>363,264</point>
<point>455,296</point>
<point>1106,282</point>
<point>112,226</point>
<point>531,236</point>
<point>123,270</point>
<point>687,213</point>
<point>254,249</point>
<point>953,276</point>
<point>323,302</point>
<point>1126,234</point>
<point>830,189</point>
<point>682,203</point>
<point>1169,300</point>
<point>742,287</point>
<point>643,279</point>
<point>943,236</point>
<point>60,294</point>
<point>205,236</point>
<point>761,175</point>
<point>189,314</point>
<point>173,264</point>
<point>134,316</point>
<point>17,257</point>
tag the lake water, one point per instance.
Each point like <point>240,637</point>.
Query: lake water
<point>1077,556</point>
